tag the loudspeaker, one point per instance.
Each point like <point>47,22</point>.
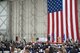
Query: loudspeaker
<point>37,39</point>
<point>48,37</point>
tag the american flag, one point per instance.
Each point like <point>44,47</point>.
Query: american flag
<point>62,20</point>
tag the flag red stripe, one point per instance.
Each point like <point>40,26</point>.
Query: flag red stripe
<point>76,19</point>
<point>52,27</point>
<point>48,25</point>
<point>62,35</point>
<point>57,25</point>
<point>66,18</point>
<point>71,20</point>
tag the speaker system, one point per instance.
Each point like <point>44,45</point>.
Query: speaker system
<point>48,37</point>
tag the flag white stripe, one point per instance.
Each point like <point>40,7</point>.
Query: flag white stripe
<point>64,20</point>
<point>59,13</point>
<point>50,26</point>
<point>74,22</point>
<point>69,24</point>
<point>55,27</point>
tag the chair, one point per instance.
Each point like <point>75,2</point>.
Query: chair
<point>0,51</point>
<point>6,51</point>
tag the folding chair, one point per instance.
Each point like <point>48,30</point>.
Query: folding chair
<point>6,51</point>
<point>0,51</point>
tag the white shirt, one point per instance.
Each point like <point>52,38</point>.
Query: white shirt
<point>22,51</point>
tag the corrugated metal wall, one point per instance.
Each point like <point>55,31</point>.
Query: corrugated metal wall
<point>29,19</point>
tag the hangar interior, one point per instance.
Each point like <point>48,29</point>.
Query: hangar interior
<point>24,18</point>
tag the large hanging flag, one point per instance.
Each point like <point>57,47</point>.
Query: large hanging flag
<point>62,20</point>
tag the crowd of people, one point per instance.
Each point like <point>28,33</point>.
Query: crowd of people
<point>40,47</point>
